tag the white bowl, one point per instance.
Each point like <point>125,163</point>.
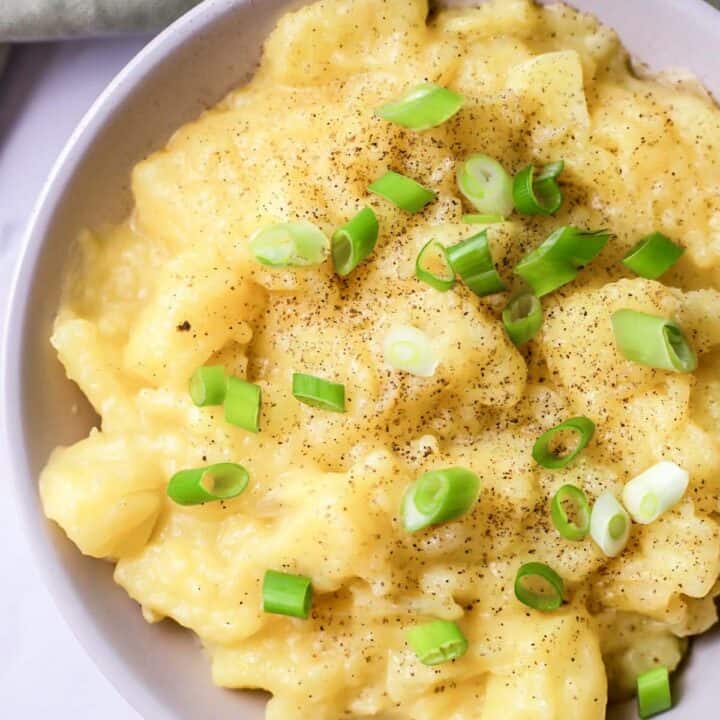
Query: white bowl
<point>161,669</point>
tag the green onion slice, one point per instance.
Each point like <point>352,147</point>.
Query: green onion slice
<point>583,427</point>
<point>291,244</point>
<point>437,642</point>
<point>354,241</point>
<point>539,195</point>
<point>654,341</point>
<point>200,485</point>
<point>575,529</point>
<point>539,587</point>
<point>522,318</point>
<point>480,219</point>
<point>472,261</point>
<point>402,191</point>
<point>286,594</point>
<point>439,496</point>
<point>207,385</point>
<point>557,260</point>
<point>486,184</point>
<point>423,107</point>
<point>242,404</point>
<point>655,491</point>
<point>318,393</point>
<point>654,255</point>
<point>653,692</point>
<point>433,266</point>
<point>409,349</point>
<point>609,525</point>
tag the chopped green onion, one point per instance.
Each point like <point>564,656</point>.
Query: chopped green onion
<point>318,393</point>
<point>547,590</point>
<point>609,524</point>
<point>437,642</point>
<point>654,255</point>
<point>242,403</point>
<point>472,261</point>
<point>486,184</point>
<point>354,241</point>
<point>200,485</point>
<point>557,260</point>
<point>402,191</point>
<point>653,692</point>
<point>543,455</point>
<point>655,491</point>
<point>479,219</point>
<point>286,594</point>
<point>571,529</point>
<point>207,385</point>
<point>291,244</point>
<point>654,341</point>
<point>444,278</point>
<point>423,107</point>
<point>539,195</point>
<point>439,496</point>
<point>522,318</point>
<point>409,349</point>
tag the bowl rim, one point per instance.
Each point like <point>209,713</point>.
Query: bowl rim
<point>77,616</point>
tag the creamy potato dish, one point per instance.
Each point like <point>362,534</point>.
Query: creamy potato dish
<point>407,370</point>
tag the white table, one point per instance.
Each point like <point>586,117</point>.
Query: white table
<point>44,91</point>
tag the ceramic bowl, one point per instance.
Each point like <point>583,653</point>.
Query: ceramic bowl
<point>161,669</point>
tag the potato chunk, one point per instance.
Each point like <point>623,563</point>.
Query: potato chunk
<point>107,506</point>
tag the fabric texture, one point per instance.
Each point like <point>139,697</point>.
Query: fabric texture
<point>48,19</point>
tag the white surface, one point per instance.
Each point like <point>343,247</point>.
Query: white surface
<point>43,94</point>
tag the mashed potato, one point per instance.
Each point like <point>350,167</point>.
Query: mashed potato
<point>175,287</point>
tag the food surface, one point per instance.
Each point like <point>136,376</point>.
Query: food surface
<point>360,503</point>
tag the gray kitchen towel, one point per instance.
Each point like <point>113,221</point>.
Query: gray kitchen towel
<point>46,19</point>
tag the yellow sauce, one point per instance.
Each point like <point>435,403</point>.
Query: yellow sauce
<point>175,287</point>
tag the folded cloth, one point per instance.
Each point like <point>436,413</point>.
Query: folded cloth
<point>46,19</point>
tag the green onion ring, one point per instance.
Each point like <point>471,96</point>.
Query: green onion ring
<point>568,529</point>
<point>318,393</point>
<point>286,594</point>
<point>472,261</point>
<point>207,385</point>
<point>442,282</point>
<point>653,341</point>
<point>437,642</point>
<point>539,195</point>
<point>535,600</point>
<point>557,260</point>
<point>439,496</point>
<point>480,219</point>
<point>653,256</point>
<point>402,191</point>
<point>221,481</point>
<point>486,185</point>
<point>423,107</point>
<point>522,318</point>
<point>409,349</point>
<point>583,426</point>
<point>655,491</point>
<point>291,244</point>
<point>242,403</point>
<point>354,241</point>
<point>609,524</point>
<point>653,692</point>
